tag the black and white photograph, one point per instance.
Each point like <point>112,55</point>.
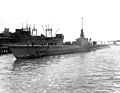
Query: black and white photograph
<point>59,46</point>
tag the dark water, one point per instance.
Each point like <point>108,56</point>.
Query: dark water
<point>91,72</point>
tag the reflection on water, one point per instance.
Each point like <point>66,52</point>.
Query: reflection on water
<point>90,72</point>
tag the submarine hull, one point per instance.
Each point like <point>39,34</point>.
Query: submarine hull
<point>25,52</point>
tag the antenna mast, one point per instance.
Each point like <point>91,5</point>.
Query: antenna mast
<point>82,22</point>
<point>48,30</point>
<point>34,29</point>
<point>82,33</point>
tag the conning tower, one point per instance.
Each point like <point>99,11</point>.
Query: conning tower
<point>82,41</point>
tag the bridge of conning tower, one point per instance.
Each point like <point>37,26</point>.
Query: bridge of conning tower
<point>82,33</point>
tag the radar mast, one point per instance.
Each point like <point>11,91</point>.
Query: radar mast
<point>82,33</point>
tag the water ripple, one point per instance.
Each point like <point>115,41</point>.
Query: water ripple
<point>91,72</point>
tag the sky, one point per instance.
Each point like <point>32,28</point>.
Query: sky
<point>101,17</point>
